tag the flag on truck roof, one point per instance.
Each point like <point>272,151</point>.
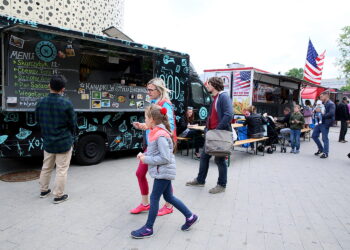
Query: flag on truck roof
<point>313,65</point>
<point>241,80</point>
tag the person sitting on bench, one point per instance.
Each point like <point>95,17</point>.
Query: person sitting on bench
<point>254,123</point>
<point>285,132</point>
<point>184,131</point>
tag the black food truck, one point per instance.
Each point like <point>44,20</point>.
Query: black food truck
<point>106,84</point>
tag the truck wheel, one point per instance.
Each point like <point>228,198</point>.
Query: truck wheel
<point>90,150</point>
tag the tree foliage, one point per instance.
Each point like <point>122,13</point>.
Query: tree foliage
<point>295,72</point>
<point>344,48</point>
<point>346,87</point>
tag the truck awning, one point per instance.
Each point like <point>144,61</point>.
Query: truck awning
<point>284,81</point>
<point>278,80</point>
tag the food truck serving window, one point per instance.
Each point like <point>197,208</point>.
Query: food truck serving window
<point>100,76</point>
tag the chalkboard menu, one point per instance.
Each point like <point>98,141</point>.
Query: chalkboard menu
<point>33,57</point>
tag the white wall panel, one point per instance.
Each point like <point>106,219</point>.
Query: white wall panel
<point>90,16</point>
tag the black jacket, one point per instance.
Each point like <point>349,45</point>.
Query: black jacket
<point>329,116</point>
<point>255,124</point>
<point>285,120</point>
<point>181,126</point>
<point>342,112</point>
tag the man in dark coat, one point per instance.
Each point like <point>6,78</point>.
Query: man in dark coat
<point>343,116</point>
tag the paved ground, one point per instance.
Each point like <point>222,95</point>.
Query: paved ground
<point>280,201</point>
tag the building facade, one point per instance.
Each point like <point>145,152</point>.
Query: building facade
<point>334,83</point>
<point>83,15</point>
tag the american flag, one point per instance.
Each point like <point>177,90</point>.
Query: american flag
<point>314,65</point>
<point>241,80</point>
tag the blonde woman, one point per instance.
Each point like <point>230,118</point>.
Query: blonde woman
<point>159,95</point>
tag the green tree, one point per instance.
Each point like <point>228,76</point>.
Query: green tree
<point>344,60</point>
<point>295,72</point>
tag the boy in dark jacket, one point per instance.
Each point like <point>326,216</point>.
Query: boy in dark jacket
<point>297,122</point>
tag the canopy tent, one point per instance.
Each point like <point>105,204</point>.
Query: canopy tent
<point>313,92</point>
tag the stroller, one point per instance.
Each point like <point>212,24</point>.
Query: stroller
<point>274,138</point>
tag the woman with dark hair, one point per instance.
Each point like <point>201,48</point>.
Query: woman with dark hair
<point>183,129</point>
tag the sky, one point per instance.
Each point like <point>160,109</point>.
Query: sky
<point>271,35</point>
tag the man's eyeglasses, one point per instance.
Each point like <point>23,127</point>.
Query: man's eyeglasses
<point>150,90</point>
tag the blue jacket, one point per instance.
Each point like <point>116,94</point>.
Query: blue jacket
<point>329,116</point>
<point>224,110</point>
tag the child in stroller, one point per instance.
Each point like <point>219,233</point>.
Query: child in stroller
<point>270,144</point>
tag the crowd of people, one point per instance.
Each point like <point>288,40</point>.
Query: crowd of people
<point>57,120</point>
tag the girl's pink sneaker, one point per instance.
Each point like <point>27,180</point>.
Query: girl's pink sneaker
<point>141,208</point>
<point>165,210</point>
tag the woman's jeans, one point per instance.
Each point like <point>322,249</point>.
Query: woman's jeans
<point>295,138</point>
<point>163,187</point>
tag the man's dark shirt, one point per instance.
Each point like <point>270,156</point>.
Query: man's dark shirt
<point>285,120</point>
<point>57,120</point>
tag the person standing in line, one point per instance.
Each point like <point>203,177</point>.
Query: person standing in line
<point>220,117</point>
<point>57,120</point>
<point>159,95</point>
<point>296,124</point>
<point>160,159</point>
<point>323,128</point>
<point>343,117</point>
<point>307,112</point>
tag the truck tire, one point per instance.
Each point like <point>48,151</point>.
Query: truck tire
<point>90,150</point>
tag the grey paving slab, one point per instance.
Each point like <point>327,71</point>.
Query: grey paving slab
<point>279,201</point>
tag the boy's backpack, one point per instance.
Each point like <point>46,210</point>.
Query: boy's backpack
<point>161,103</point>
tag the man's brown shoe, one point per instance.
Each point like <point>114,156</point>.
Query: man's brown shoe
<point>217,189</point>
<point>194,182</point>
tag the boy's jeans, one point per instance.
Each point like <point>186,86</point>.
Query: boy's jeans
<point>295,138</point>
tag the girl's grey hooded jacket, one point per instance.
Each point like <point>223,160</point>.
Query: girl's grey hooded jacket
<point>159,155</point>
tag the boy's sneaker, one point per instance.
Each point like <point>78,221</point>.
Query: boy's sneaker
<point>189,223</point>
<point>296,152</point>
<point>194,183</point>
<point>60,199</point>
<point>165,210</point>
<point>318,152</point>
<point>141,233</point>
<point>217,189</point>
<point>324,156</point>
<point>140,208</point>
<point>45,194</point>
